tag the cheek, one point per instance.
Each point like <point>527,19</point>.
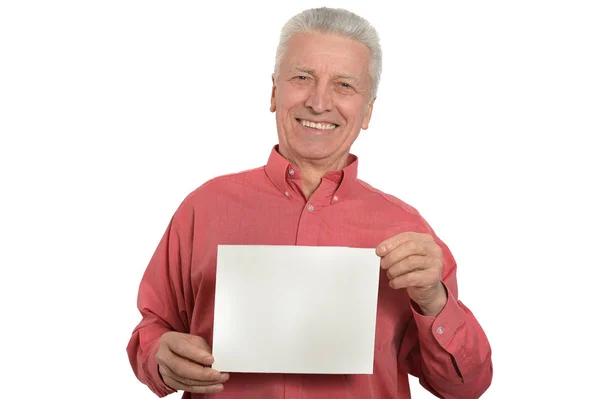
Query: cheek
<point>353,112</point>
<point>288,99</point>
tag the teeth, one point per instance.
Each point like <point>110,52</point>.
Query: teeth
<point>320,126</point>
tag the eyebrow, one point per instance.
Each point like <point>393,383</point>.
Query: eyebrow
<point>337,76</point>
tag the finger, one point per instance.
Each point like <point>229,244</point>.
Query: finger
<point>403,251</point>
<point>420,278</point>
<point>207,389</point>
<point>166,371</point>
<point>188,369</point>
<point>193,348</point>
<point>392,243</point>
<point>409,264</point>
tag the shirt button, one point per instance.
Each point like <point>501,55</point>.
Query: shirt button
<point>335,198</point>
<point>310,208</point>
<point>440,330</point>
<point>292,172</point>
<point>287,194</point>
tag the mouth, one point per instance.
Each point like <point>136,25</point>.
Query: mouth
<point>323,126</point>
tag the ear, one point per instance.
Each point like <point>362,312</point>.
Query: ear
<point>367,117</point>
<point>273,94</point>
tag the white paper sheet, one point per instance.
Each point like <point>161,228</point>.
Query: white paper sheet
<point>295,309</point>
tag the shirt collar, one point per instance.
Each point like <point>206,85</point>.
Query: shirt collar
<point>278,169</point>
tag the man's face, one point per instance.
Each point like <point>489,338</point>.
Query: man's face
<point>324,80</point>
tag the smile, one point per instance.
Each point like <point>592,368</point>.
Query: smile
<point>317,125</point>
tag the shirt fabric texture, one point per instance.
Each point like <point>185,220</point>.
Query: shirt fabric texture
<point>450,353</point>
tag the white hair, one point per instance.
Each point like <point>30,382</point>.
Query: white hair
<point>336,21</point>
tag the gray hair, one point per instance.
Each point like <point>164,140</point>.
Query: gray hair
<point>335,21</point>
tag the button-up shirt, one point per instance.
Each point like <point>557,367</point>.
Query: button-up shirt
<point>449,353</point>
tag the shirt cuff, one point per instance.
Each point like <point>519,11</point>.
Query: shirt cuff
<point>155,381</point>
<point>444,326</point>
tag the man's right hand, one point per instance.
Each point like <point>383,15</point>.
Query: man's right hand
<point>182,360</point>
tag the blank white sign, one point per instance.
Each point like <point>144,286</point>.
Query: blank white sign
<point>295,309</point>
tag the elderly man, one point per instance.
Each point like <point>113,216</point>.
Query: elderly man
<point>326,75</point>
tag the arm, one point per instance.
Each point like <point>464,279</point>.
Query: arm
<point>449,353</point>
<point>161,303</point>
<point>444,345</point>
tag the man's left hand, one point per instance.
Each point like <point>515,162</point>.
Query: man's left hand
<point>414,261</point>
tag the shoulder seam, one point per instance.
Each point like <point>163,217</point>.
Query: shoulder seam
<point>407,208</point>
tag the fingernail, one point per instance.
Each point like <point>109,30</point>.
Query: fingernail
<point>381,250</point>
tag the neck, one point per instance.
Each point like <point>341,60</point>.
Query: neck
<point>313,170</point>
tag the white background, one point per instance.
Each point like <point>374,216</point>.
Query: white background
<point>487,121</point>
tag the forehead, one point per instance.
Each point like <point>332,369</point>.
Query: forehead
<point>327,53</point>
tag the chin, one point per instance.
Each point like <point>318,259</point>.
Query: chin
<point>314,151</point>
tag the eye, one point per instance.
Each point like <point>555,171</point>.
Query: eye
<point>301,80</point>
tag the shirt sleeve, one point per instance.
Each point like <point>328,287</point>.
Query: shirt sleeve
<point>450,353</point>
<point>161,304</point>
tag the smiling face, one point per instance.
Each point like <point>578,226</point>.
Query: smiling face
<point>321,98</point>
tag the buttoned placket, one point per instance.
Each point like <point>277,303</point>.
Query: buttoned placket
<point>323,197</point>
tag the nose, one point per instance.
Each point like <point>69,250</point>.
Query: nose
<point>320,98</point>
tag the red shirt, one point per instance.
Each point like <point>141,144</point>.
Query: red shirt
<point>449,353</point>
